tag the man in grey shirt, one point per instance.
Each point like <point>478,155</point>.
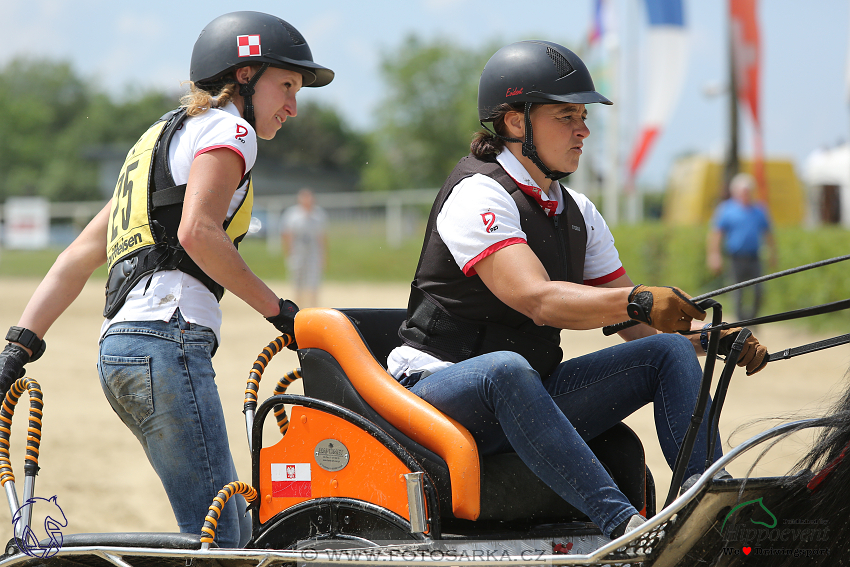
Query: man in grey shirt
<point>304,239</point>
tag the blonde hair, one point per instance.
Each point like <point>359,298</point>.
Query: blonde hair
<point>198,100</point>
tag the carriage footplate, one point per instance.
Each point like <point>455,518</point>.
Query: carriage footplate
<point>552,546</point>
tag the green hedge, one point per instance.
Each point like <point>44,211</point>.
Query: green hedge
<point>663,255</point>
<point>354,255</point>
<point>654,254</point>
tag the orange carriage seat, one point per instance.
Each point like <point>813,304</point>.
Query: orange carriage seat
<point>327,337</point>
<point>340,350</point>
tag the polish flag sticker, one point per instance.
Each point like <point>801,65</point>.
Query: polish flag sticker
<point>248,45</point>
<point>290,480</point>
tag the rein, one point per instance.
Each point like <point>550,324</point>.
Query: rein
<point>806,312</point>
<point>788,316</point>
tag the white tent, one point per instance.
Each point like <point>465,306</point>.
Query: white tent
<point>826,173</point>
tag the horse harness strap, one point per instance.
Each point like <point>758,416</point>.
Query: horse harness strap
<point>811,347</point>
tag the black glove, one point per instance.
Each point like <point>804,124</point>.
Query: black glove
<point>667,309</point>
<point>753,354</point>
<point>12,361</point>
<point>285,321</point>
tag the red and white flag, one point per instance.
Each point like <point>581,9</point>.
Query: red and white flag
<point>667,62</point>
<point>746,57</point>
<point>291,479</point>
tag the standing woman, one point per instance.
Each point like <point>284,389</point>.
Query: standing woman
<point>510,258</point>
<point>169,237</point>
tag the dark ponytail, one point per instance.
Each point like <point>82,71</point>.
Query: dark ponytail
<point>487,145</point>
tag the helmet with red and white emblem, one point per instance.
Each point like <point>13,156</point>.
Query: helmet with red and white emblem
<point>241,39</point>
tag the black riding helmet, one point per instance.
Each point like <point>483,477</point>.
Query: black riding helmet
<point>239,39</point>
<point>534,72</point>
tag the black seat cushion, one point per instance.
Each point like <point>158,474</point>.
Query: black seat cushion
<point>510,491</point>
<point>379,329</point>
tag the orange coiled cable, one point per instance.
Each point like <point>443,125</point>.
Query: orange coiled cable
<point>259,367</point>
<point>279,409</point>
<point>211,521</point>
<point>7,410</point>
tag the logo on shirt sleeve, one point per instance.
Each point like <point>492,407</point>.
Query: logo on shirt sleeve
<point>241,132</point>
<point>489,222</point>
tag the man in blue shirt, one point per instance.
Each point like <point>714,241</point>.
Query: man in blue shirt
<point>741,225</point>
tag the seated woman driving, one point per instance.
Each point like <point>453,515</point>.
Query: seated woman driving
<point>510,258</point>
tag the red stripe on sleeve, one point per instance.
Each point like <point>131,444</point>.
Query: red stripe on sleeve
<point>469,268</point>
<point>211,148</point>
<point>605,279</point>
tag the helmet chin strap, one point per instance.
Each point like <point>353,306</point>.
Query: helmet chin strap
<point>246,91</point>
<point>529,151</point>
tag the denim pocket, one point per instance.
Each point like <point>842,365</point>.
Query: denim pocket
<point>128,379</point>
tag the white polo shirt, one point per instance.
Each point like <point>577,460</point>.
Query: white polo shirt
<point>172,289</point>
<point>479,218</point>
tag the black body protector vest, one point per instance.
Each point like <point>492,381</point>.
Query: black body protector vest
<point>456,317</point>
<point>145,214</point>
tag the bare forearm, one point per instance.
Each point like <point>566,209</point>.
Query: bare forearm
<point>572,306</point>
<point>516,277</point>
<point>213,179</point>
<point>209,246</point>
<point>713,257</point>
<point>66,278</point>
<point>59,288</point>
<point>771,246</point>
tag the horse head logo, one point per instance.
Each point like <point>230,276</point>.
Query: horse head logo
<point>53,524</point>
<point>758,501</point>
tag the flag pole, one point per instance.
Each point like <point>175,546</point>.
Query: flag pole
<point>732,165</point>
<point>612,174</point>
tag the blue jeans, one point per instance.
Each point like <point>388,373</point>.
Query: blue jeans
<point>506,407</point>
<point>159,379</point>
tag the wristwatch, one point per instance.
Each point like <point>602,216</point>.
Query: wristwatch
<point>703,336</point>
<point>28,339</point>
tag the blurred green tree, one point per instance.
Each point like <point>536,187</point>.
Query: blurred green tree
<point>52,118</point>
<point>429,115</point>
<point>317,137</point>
<point>49,114</point>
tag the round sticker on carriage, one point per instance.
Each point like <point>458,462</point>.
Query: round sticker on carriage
<point>331,455</point>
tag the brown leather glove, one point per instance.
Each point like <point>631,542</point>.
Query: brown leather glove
<point>667,309</point>
<point>753,354</point>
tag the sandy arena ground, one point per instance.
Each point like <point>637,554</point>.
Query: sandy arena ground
<point>103,481</point>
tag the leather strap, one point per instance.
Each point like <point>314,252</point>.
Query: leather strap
<point>811,347</point>
<point>29,339</point>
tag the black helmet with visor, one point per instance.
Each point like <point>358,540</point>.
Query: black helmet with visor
<point>239,39</point>
<point>533,72</point>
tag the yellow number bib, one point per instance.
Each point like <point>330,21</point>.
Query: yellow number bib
<point>129,222</point>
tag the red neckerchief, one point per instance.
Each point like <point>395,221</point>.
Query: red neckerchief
<point>549,206</point>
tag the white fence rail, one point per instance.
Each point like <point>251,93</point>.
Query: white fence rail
<point>394,208</point>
